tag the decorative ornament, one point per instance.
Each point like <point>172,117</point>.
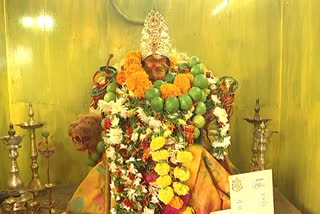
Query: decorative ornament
<point>155,39</point>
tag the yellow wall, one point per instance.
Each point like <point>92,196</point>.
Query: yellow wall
<point>299,169</point>
<point>4,100</point>
<point>53,68</point>
<point>270,47</point>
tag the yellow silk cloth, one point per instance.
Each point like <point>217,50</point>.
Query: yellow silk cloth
<point>208,183</point>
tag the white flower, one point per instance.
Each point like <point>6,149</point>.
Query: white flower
<point>111,154</point>
<point>123,146</point>
<point>218,156</point>
<point>135,136</point>
<point>221,114</point>
<point>154,123</point>
<point>154,199</point>
<point>113,211</point>
<point>115,122</point>
<point>112,167</point>
<point>212,83</point>
<point>224,130</point>
<point>131,159</point>
<point>131,194</point>
<point>114,136</point>
<point>105,106</point>
<point>112,186</point>
<point>225,143</point>
<point>146,210</point>
<point>142,115</point>
<point>132,169</point>
<point>188,115</point>
<point>215,99</point>
<point>119,108</point>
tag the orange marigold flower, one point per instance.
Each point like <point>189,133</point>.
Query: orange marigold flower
<point>174,62</point>
<point>176,202</point>
<point>139,83</point>
<point>190,76</point>
<point>182,81</point>
<point>134,54</point>
<point>168,90</point>
<point>121,77</point>
<point>131,60</point>
<point>134,68</point>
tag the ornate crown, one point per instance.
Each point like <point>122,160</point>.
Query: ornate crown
<point>155,37</point>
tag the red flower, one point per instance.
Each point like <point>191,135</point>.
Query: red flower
<point>145,144</point>
<point>152,177</point>
<point>107,124</point>
<point>131,176</point>
<point>129,131</point>
<point>128,202</point>
<point>120,188</point>
<point>123,152</point>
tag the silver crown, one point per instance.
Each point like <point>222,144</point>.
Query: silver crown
<point>155,37</point>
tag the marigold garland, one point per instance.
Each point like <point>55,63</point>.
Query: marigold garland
<point>181,173</point>
<point>136,54</point>
<point>180,188</point>
<point>174,62</point>
<point>160,155</point>
<point>134,68</point>
<point>139,83</point>
<point>131,60</point>
<point>121,78</point>
<point>168,90</point>
<point>166,194</point>
<point>157,143</point>
<point>184,156</point>
<point>162,168</point>
<point>164,180</point>
<point>176,202</point>
<point>183,82</point>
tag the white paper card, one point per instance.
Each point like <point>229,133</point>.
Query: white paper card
<point>251,193</point>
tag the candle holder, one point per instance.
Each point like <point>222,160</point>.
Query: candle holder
<point>47,151</point>
<point>35,183</point>
<point>12,142</point>
<point>261,137</point>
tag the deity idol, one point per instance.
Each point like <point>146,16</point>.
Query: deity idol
<point>165,135</point>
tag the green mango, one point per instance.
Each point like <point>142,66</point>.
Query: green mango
<point>195,93</point>
<point>157,104</point>
<point>185,102</point>
<point>172,104</point>
<point>200,81</point>
<point>193,61</point>
<point>152,93</point>
<point>170,77</point>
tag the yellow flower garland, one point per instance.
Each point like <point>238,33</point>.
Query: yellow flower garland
<point>180,188</point>
<point>166,194</point>
<point>160,155</point>
<point>163,181</point>
<point>184,156</point>
<point>162,168</point>
<point>181,173</point>
<point>157,143</point>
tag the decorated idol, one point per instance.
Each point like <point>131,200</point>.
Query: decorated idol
<point>165,120</point>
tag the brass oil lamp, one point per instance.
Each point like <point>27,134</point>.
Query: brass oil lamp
<point>261,138</point>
